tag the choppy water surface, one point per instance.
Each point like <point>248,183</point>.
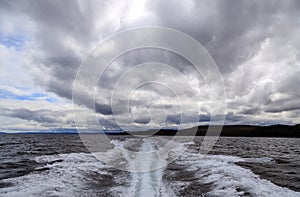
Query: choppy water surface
<point>60,165</point>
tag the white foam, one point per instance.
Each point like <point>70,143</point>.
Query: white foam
<point>63,178</point>
<point>229,179</point>
<point>147,168</point>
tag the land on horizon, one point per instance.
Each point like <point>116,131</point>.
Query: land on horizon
<point>227,130</point>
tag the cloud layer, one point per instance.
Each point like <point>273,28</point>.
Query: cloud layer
<point>255,44</point>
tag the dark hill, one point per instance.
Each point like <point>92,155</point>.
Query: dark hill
<point>236,131</point>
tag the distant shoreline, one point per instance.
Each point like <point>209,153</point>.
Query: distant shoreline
<point>242,131</point>
<point>227,131</point>
<point>231,131</point>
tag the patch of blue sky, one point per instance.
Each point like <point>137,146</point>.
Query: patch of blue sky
<point>4,94</point>
<point>51,100</point>
<point>12,41</point>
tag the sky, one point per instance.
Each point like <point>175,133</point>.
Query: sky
<point>255,45</point>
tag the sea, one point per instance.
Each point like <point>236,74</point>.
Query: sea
<point>62,165</point>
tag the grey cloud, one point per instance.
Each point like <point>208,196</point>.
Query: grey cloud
<point>204,118</point>
<point>38,116</point>
<point>142,120</point>
<point>233,32</point>
<point>107,123</point>
<point>103,109</point>
<point>250,111</point>
<point>283,106</point>
<point>175,119</point>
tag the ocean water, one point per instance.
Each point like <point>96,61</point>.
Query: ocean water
<point>60,165</point>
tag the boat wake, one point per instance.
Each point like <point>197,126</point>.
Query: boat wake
<point>83,174</point>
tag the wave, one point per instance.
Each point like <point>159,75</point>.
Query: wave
<point>226,178</point>
<point>73,174</point>
<point>62,175</point>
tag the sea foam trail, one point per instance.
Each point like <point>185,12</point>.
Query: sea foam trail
<point>147,167</point>
<point>149,182</point>
<point>228,179</point>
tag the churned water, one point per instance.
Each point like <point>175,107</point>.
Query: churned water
<point>60,165</point>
